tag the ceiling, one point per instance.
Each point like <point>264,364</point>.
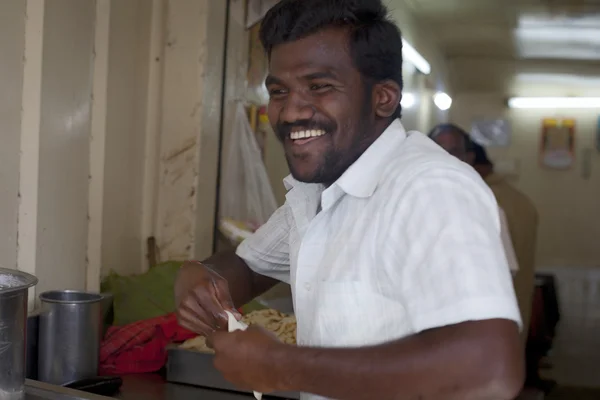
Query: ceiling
<point>500,39</point>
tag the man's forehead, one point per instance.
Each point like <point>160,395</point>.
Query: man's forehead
<point>324,49</point>
<point>327,38</point>
<point>308,70</point>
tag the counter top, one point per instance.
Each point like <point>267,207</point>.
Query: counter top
<point>154,387</point>
<point>35,390</point>
<point>135,387</point>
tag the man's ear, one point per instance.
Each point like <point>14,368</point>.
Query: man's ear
<point>386,98</point>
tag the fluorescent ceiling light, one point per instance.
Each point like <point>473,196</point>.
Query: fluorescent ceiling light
<point>577,21</point>
<point>558,79</point>
<point>410,54</point>
<point>442,101</point>
<point>581,50</point>
<point>554,102</point>
<point>559,34</point>
<point>408,100</point>
<point>559,37</point>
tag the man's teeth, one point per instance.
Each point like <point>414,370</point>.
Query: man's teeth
<point>306,134</point>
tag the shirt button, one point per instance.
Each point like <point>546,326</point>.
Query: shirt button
<point>307,287</point>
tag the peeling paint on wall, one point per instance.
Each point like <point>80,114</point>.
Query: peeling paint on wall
<point>180,130</point>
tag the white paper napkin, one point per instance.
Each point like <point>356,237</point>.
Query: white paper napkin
<point>235,325</point>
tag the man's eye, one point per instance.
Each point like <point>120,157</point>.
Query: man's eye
<point>276,92</point>
<point>320,86</point>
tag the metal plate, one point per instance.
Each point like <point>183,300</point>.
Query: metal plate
<point>196,368</point>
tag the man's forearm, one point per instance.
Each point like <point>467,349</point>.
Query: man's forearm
<point>463,362</point>
<point>244,284</point>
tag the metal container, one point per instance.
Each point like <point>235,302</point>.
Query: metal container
<point>70,334</point>
<point>14,287</point>
<point>195,368</point>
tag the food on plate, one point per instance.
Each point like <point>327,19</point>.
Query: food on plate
<point>282,325</point>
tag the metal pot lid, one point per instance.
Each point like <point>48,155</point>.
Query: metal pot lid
<point>12,280</point>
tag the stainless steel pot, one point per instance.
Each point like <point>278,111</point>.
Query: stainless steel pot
<point>14,287</point>
<point>69,336</point>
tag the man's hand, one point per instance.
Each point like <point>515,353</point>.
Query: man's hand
<point>248,358</point>
<point>202,297</point>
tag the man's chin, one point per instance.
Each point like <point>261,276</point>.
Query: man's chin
<point>306,175</point>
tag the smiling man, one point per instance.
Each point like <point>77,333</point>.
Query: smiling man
<point>400,284</point>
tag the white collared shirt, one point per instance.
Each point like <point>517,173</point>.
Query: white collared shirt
<point>509,249</point>
<point>407,239</point>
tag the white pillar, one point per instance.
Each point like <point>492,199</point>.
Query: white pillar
<point>30,140</point>
<point>153,125</point>
<point>55,132</point>
<point>98,145</point>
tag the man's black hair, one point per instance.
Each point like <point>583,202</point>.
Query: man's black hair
<point>481,157</point>
<point>442,128</point>
<point>375,41</point>
<point>471,146</point>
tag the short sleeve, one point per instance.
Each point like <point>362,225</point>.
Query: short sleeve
<point>507,243</point>
<point>452,267</point>
<point>267,251</point>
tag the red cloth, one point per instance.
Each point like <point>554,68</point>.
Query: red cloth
<point>140,347</point>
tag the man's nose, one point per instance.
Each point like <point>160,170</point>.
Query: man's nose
<point>296,108</point>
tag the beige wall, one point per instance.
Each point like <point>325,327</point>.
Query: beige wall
<point>12,46</point>
<point>126,91</point>
<point>567,201</point>
<point>424,115</point>
<point>163,122</point>
<point>111,119</point>
<point>236,71</point>
<point>66,95</point>
<point>190,127</point>
<point>54,141</point>
<point>420,38</point>
<point>481,74</point>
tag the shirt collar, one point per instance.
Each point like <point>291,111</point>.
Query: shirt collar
<point>362,177</point>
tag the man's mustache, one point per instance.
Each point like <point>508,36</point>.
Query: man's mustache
<point>283,129</point>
